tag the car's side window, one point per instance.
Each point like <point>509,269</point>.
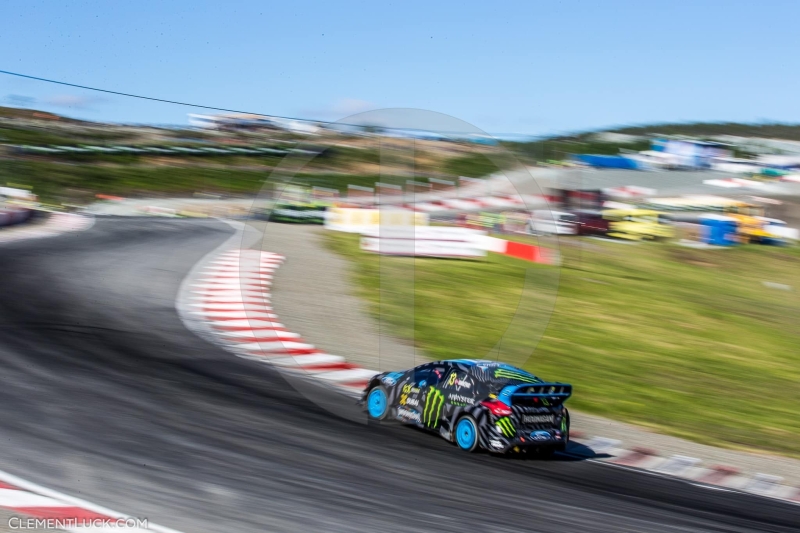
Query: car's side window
<point>429,375</point>
<point>437,375</point>
<point>422,375</point>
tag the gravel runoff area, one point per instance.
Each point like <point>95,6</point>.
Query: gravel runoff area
<point>127,207</point>
<point>314,297</point>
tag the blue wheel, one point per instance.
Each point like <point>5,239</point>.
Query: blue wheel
<point>377,404</point>
<point>467,434</point>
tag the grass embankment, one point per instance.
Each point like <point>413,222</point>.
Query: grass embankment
<point>78,177</point>
<point>689,342</point>
<point>80,182</point>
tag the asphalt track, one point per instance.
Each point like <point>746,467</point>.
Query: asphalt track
<point>108,397</point>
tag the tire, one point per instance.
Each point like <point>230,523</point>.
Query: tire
<point>466,434</point>
<point>377,403</point>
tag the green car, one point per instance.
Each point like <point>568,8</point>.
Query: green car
<point>299,212</point>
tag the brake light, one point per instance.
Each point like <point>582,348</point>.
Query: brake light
<point>497,407</point>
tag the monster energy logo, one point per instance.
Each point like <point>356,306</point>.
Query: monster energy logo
<point>434,402</point>
<point>506,426</point>
<point>511,374</point>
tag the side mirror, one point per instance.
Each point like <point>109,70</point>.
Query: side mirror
<point>423,383</point>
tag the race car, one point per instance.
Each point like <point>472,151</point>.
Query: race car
<point>476,404</point>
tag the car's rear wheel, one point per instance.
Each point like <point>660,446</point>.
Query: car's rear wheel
<point>467,434</point>
<point>377,403</point>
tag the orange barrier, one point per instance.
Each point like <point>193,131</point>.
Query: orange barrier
<point>519,250</point>
<point>526,252</point>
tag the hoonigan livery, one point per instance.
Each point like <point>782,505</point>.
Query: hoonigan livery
<point>476,404</point>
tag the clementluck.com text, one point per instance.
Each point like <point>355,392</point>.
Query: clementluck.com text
<point>16,522</point>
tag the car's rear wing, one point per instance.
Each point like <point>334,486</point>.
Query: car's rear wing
<point>535,394</point>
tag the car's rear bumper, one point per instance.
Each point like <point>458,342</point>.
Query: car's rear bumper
<point>525,439</point>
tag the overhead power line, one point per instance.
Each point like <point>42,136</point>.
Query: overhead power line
<point>153,99</point>
<point>197,106</point>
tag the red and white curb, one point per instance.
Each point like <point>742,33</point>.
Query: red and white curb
<point>37,507</point>
<point>629,191</point>
<point>231,294</point>
<point>733,183</point>
<point>692,469</point>
<point>509,201</point>
<point>56,224</point>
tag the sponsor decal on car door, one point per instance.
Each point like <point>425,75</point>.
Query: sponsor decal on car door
<point>459,390</point>
<point>434,405</point>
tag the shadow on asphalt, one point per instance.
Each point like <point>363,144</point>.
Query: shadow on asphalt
<point>581,452</point>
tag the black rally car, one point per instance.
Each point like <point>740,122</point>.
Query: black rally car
<point>476,404</point>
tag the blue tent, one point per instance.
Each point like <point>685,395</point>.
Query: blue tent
<point>719,230</point>
<point>608,161</point>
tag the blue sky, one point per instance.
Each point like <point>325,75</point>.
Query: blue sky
<point>517,67</point>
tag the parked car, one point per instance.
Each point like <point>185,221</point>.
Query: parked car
<point>637,224</point>
<point>299,212</point>
<point>591,222</point>
<point>546,222</point>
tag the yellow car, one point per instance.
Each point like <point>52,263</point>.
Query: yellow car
<point>752,226</point>
<point>637,224</point>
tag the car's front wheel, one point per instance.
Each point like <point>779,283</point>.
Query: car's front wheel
<point>377,403</point>
<point>467,434</point>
